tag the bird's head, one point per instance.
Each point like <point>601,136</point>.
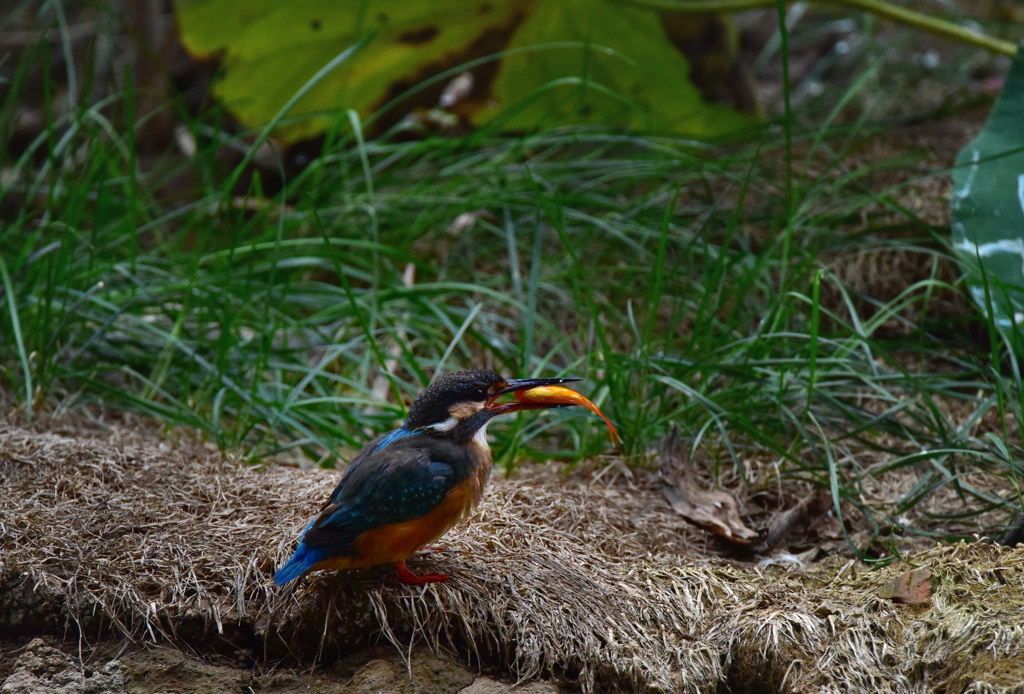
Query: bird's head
<point>460,404</point>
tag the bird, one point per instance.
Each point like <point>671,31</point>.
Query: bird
<point>407,488</point>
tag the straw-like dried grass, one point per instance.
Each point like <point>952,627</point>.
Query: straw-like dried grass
<point>558,578</point>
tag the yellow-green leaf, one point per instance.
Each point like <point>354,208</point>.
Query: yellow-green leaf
<point>270,49</point>
<point>619,69</point>
<point>560,62</point>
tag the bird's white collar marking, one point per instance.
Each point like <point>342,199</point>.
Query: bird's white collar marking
<point>479,438</point>
<point>446,425</point>
<point>457,413</point>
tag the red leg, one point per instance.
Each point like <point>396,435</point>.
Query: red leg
<point>432,548</point>
<point>407,576</point>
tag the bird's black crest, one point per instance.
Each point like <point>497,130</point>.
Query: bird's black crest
<point>432,405</point>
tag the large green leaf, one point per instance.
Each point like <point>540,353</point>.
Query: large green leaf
<point>270,49</point>
<point>620,69</point>
<point>988,210</point>
<point>613,64</point>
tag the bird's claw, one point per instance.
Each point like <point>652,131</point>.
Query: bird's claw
<point>408,577</point>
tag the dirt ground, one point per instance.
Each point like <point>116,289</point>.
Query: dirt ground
<point>49,664</point>
<point>39,654</point>
<point>138,562</point>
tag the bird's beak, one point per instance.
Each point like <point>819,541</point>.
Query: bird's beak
<point>543,393</point>
<point>522,386</point>
<point>514,385</point>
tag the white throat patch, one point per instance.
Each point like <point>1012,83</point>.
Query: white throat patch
<point>480,438</point>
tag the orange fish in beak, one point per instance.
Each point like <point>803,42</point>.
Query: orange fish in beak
<point>555,396</point>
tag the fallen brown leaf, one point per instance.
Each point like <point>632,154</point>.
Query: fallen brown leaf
<point>911,587</point>
<point>714,510</point>
<point>811,506</point>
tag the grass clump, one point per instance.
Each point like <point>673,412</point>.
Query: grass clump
<point>176,544</point>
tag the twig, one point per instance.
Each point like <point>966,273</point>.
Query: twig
<point>880,8</point>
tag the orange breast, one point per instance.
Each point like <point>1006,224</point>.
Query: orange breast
<point>397,541</point>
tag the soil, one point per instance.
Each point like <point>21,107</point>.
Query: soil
<point>50,665</point>
<point>40,651</point>
<point>134,563</point>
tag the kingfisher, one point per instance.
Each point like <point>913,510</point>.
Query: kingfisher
<point>407,488</point>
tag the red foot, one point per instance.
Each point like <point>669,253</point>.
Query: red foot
<point>433,548</point>
<point>407,576</point>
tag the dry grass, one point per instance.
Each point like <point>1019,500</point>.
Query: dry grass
<point>572,578</point>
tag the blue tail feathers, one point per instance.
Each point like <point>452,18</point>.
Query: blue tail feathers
<point>304,559</point>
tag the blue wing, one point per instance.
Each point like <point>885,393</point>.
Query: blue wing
<point>393,485</point>
<point>388,484</point>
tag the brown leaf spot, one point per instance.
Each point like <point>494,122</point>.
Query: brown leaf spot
<point>315,25</point>
<point>419,36</point>
<point>491,40</point>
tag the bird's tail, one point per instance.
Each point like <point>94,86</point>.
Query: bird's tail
<point>301,562</point>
